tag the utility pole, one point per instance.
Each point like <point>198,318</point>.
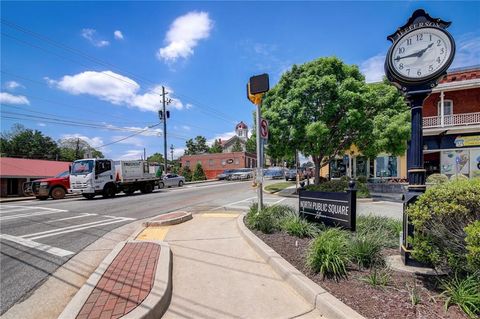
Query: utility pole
<point>163,115</point>
<point>259,160</point>
<point>171,151</point>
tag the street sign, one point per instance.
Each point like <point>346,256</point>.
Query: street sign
<point>264,129</point>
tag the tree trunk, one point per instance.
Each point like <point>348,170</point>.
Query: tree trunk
<point>316,161</point>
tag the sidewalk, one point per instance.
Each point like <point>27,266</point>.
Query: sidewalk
<point>216,274</point>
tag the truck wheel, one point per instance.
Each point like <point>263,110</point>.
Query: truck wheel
<point>161,185</point>
<point>41,197</point>
<point>109,191</point>
<point>57,193</point>
<point>147,188</point>
<point>180,183</point>
<point>89,196</point>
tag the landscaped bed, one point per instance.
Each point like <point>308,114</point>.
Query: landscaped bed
<point>352,265</point>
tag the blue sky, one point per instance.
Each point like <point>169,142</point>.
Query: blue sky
<point>94,69</point>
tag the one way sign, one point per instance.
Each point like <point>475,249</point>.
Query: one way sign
<point>264,129</point>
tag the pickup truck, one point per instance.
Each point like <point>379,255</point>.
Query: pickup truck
<point>54,187</point>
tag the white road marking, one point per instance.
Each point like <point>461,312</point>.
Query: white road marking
<point>249,201</point>
<point>74,217</point>
<point>12,209</point>
<point>31,214</point>
<point>77,229</point>
<point>39,246</point>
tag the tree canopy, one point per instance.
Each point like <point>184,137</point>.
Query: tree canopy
<point>237,147</point>
<point>196,146</point>
<point>27,143</point>
<point>74,148</point>
<point>324,106</point>
<point>156,157</point>
<point>216,147</point>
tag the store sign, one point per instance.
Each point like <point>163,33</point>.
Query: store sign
<point>230,161</point>
<point>331,209</point>
<point>462,141</point>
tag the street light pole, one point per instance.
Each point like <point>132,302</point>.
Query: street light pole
<point>259,161</point>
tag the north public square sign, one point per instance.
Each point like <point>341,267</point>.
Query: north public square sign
<point>331,209</point>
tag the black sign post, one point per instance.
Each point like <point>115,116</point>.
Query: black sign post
<point>331,209</point>
<point>421,52</point>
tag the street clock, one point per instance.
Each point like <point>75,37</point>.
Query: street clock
<point>421,52</point>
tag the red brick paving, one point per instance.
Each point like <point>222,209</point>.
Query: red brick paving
<point>125,284</point>
<point>170,215</point>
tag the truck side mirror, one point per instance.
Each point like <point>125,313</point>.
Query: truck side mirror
<point>69,168</point>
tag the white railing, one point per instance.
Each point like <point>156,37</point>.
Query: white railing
<point>452,120</point>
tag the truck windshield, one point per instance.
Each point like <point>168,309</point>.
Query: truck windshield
<point>63,174</point>
<point>82,167</point>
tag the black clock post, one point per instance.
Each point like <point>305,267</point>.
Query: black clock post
<point>415,71</point>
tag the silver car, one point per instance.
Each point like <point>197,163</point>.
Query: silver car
<point>170,180</point>
<point>241,174</point>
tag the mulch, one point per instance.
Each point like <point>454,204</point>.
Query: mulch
<point>392,301</point>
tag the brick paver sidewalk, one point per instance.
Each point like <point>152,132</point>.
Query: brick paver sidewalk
<point>125,284</point>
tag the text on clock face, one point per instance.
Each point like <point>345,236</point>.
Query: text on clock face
<point>421,53</point>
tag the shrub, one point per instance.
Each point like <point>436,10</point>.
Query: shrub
<point>387,230</point>
<point>473,245</point>
<point>199,174</point>
<point>299,227</point>
<point>464,292</point>
<point>362,179</point>
<point>437,178</point>
<point>328,254</point>
<point>458,177</point>
<point>440,217</point>
<point>366,250</point>
<point>269,219</point>
<point>187,173</point>
<point>340,185</point>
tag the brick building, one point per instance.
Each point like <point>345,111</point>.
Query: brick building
<point>214,164</point>
<point>16,171</point>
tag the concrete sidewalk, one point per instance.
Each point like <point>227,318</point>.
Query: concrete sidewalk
<point>216,274</point>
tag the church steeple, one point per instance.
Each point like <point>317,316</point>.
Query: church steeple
<point>241,130</point>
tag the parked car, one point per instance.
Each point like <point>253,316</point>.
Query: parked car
<point>54,187</point>
<point>274,172</point>
<point>241,174</point>
<point>226,174</point>
<point>291,174</point>
<point>170,180</point>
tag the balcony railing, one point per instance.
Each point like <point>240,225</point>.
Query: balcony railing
<point>452,120</point>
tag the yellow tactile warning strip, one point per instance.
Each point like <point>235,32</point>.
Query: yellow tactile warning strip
<point>221,215</point>
<point>153,233</point>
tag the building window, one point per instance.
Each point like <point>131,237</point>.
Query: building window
<point>187,163</point>
<point>237,161</point>
<point>210,162</point>
<point>224,162</point>
<point>361,166</point>
<point>447,107</point>
<point>386,166</point>
<point>338,168</point>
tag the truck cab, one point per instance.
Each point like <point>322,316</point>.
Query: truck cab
<point>90,177</point>
<point>54,187</point>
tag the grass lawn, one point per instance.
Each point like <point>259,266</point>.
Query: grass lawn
<point>273,188</point>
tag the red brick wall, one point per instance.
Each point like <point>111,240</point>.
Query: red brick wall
<point>212,163</point>
<point>464,101</point>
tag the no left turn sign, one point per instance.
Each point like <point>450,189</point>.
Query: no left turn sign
<point>264,129</point>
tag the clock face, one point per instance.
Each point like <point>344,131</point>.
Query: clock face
<point>421,54</point>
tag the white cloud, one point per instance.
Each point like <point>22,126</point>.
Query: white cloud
<point>12,85</point>
<point>7,98</point>
<point>186,127</point>
<point>188,106</point>
<point>373,68</point>
<point>132,155</point>
<point>468,51</point>
<point>116,89</point>
<point>223,136</point>
<point>91,36</point>
<point>41,124</point>
<point>92,141</point>
<point>150,132</point>
<point>120,139</point>
<point>177,152</point>
<point>118,35</point>
<point>184,34</point>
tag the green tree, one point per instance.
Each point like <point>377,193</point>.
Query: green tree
<point>199,174</point>
<point>251,144</point>
<point>156,157</point>
<point>196,146</point>
<point>216,147</point>
<point>27,143</point>
<point>321,108</point>
<point>75,148</point>
<point>187,173</point>
<point>237,147</point>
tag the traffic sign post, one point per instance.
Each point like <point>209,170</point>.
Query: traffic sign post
<point>256,87</point>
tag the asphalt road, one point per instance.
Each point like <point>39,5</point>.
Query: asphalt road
<point>37,237</point>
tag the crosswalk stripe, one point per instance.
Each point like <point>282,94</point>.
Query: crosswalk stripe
<point>39,246</point>
<point>30,215</point>
<point>65,228</point>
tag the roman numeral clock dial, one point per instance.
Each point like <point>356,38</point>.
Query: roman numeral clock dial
<point>421,54</point>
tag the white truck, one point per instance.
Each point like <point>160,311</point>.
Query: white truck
<point>98,176</point>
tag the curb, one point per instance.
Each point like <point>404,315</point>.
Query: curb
<point>319,298</point>
<point>153,306</point>
<point>167,222</point>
